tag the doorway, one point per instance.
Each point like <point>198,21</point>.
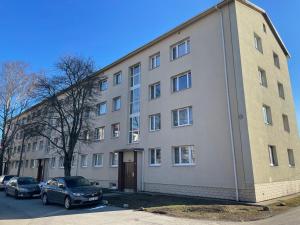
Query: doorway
<point>127,173</point>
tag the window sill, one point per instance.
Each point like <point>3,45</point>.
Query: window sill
<point>272,165</point>
<point>292,166</point>
<point>184,165</point>
<point>187,125</point>
<point>154,165</point>
<point>84,166</point>
<point>153,131</point>
<point>97,166</point>
<point>114,166</point>
<point>150,69</point>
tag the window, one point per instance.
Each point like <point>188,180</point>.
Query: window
<point>264,28</point>
<point>273,156</point>
<point>262,77</point>
<point>73,161</point>
<point>154,122</point>
<point>103,85</point>
<point>48,144</point>
<point>155,156</point>
<point>34,146</point>
<point>83,161</point>
<point>28,147</point>
<point>182,117</point>
<point>155,61</point>
<point>116,103</point>
<point>184,155</point>
<point>154,91</point>
<point>61,162</point>
<point>19,148</point>
<point>182,82</point>
<point>258,43</point>
<point>134,104</point>
<point>276,60</point>
<point>32,163</point>
<point>86,135</point>
<point>55,140</point>
<point>98,160</point>
<point>26,163</point>
<point>99,133</point>
<point>286,124</point>
<point>115,130</point>
<point>102,108</point>
<point>41,146</point>
<point>53,161</point>
<point>291,157</point>
<point>117,78</point>
<point>267,114</point>
<point>114,157</point>
<point>180,49</point>
<point>281,90</point>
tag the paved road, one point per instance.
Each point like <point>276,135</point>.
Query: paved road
<point>32,212</point>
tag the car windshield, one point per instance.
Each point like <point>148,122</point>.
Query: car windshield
<point>7,178</point>
<point>76,182</point>
<point>26,181</point>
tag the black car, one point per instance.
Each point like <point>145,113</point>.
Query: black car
<point>21,187</point>
<point>4,179</point>
<point>70,191</point>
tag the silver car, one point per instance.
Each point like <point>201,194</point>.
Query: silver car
<point>4,179</point>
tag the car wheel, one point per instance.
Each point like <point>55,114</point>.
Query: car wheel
<point>68,204</point>
<point>45,199</point>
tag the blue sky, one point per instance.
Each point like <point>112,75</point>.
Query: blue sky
<point>40,31</point>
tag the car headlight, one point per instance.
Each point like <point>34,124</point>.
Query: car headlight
<point>77,194</point>
<point>23,189</point>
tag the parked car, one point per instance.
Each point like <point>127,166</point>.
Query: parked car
<point>70,191</point>
<point>4,179</point>
<point>21,187</point>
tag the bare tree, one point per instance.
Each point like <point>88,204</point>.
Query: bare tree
<point>67,98</point>
<point>16,87</point>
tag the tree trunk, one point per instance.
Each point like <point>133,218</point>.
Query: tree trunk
<point>2,149</point>
<point>67,164</point>
<point>21,157</point>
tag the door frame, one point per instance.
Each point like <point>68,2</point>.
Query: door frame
<point>121,171</point>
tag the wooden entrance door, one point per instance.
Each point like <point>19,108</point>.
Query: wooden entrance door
<point>130,175</point>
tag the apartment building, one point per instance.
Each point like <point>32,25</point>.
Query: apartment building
<point>204,110</point>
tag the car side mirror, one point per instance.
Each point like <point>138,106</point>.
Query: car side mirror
<point>94,183</point>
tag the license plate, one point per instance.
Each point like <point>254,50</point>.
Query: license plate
<point>93,199</point>
<point>36,195</point>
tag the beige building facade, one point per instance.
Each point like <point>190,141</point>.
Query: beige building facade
<point>204,110</point>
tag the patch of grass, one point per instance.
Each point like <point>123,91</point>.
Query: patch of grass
<point>190,207</point>
<point>285,204</point>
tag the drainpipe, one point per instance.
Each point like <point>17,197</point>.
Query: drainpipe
<point>143,164</point>
<point>228,105</point>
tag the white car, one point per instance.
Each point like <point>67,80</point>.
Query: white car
<point>4,179</point>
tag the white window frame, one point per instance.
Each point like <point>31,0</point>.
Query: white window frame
<point>188,74</point>
<point>154,116</point>
<point>276,60</point>
<point>272,155</point>
<point>286,123</point>
<point>101,82</point>
<point>267,114</point>
<point>262,77</point>
<point>291,158</point>
<point>99,133</point>
<point>96,159</point>
<point>189,116</point>
<point>114,104</point>
<point>84,160</point>
<point>115,78</point>
<point>112,130</point>
<point>281,92</point>
<point>155,61</point>
<point>112,155</point>
<point>156,161</point>
<point>191,154</point>
<point>99,108</point>
<point>258,43</point>
<point>155,94</point>
<point>187,44</point>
